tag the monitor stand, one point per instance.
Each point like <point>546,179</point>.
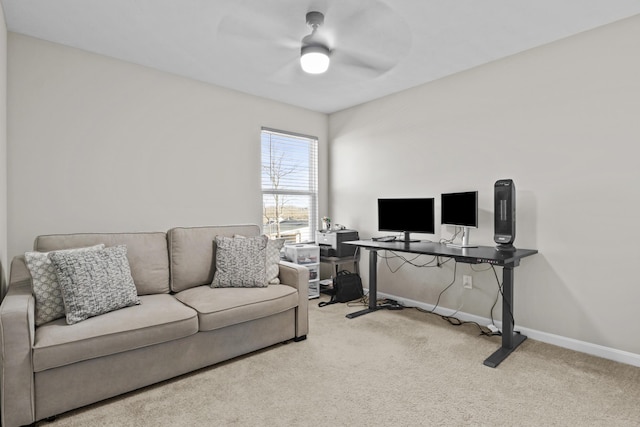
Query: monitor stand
<point>407,239</point>
<point>465,240</point>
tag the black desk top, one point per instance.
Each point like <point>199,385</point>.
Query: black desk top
<point>477,255</point>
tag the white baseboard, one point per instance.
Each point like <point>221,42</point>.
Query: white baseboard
<point>560,341</point>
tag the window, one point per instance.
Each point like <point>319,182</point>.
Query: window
<point>289,185</point>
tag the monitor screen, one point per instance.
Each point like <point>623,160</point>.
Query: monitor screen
<point>459,209</point>
<point>406,215</point>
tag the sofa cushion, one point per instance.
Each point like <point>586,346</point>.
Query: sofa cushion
<point>94,282</point>
<point>46,288</point>
<point>159,318</point>
<point>147,254</point>
<point>240,262</point>
<point>220,307</point>
<point>192,253</point>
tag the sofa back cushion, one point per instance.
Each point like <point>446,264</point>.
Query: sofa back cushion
<point>192,253</point>
<point>147,254</point>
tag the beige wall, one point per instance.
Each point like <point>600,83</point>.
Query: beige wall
<point>562,121</point>
<point>4,266</point>
<point>97,144</point>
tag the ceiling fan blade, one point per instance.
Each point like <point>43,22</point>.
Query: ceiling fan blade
<point>371,38</point>
<point>264,20</point>
<point>375,64</point>
<point>287,73</point>
<point>234,28</point>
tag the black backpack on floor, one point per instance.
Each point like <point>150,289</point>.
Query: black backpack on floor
<point>347,286</point>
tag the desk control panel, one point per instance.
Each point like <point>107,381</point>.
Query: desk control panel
<point>491,261</point>
<point>487,261</point>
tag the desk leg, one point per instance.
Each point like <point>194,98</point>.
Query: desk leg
<point>373,285</point>
<point>510,340</point>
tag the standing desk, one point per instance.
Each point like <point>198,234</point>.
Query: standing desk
<point>478,255</point>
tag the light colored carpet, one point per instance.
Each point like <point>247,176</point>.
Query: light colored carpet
<point>389,368</point>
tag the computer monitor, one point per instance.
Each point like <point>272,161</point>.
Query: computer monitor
<point>406,216</point>
<point>460,209</point>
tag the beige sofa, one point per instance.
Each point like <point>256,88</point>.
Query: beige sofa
<point>182,323</point>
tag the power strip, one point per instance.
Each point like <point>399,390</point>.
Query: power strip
<point>493,328</point>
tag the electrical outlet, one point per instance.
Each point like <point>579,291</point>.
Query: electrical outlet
<point>467,282</point>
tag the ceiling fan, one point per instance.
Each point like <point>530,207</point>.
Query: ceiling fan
<point>361,39</point>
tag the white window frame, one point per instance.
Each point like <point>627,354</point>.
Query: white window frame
<point>306,186</point>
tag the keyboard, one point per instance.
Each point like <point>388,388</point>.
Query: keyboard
<point>384,239</point>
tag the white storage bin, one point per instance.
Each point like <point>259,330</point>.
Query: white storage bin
<point>309,256</point>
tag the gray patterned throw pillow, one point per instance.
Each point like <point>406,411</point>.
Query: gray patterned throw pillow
<point>240,262</point>
<point>94,282</point>
<point>46,289</point>
<point>272,265</point>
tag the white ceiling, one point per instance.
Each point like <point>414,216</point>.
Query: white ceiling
<point>378,47</point>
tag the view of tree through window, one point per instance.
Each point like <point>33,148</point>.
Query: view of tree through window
<point>289,185</point>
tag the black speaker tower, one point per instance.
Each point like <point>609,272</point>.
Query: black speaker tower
<point>504,214</point>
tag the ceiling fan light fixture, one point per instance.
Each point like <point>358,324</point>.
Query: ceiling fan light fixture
<point>314,59</point>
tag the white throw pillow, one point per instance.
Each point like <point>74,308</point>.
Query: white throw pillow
<point>273,260</point>
<point>46,288</point>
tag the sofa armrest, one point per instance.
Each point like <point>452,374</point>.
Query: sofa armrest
<point>17,331</point>
<point>297,276</point>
